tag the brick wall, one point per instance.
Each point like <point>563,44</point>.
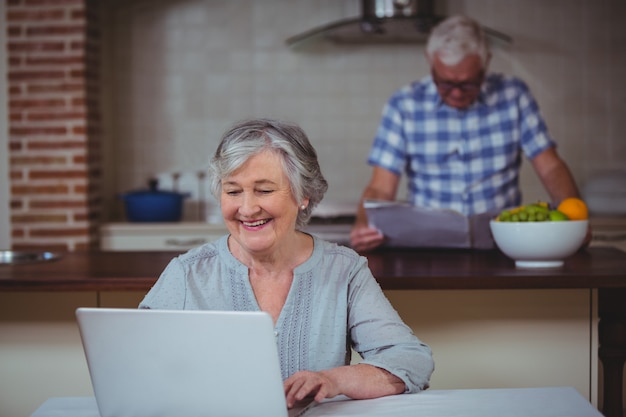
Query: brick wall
<point>54,123</point>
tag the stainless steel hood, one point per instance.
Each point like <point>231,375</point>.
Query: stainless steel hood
<point>383,21</point>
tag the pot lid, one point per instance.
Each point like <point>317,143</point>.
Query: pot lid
<point>153,189</point>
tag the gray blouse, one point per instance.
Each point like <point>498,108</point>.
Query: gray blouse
<point>334,304</point>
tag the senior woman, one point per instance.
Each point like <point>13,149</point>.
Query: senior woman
<point>322,296</point>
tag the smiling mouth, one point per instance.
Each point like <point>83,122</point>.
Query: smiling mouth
<point>255,223</point>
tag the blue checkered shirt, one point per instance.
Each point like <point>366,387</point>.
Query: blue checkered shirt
<point>465,160</point>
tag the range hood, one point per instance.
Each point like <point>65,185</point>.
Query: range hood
<point>384,21</point>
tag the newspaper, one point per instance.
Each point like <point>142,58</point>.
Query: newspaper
<point>405,225</point>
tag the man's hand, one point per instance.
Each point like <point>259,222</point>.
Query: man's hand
<point>382,186</point>
<point>365,238</point>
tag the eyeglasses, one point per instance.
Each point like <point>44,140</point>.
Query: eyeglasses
<point>468,87</point>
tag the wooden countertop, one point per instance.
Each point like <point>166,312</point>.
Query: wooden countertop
<point>600,267</point>
<point>594,267</point>
<point>87,271</point>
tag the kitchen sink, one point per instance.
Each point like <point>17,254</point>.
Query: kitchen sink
<point>9,257</point>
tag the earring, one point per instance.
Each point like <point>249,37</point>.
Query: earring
<point>302,207</point>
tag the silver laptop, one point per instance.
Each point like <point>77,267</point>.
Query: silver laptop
<point>182,363</point>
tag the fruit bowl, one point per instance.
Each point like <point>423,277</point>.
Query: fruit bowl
<point>539,244</point>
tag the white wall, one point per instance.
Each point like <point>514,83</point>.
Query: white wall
<point>5,230</point>
<point>179,72</point>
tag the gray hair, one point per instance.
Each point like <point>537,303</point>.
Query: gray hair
<point>455,38</point>
<point>299,159</point>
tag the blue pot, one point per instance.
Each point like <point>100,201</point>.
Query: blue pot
<point>153,205</point>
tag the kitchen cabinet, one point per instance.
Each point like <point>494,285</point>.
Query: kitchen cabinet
<point>180,236</point>
<point>609,232</point>
<point>490,338</point>
<point>183,236</point>
<point>41,354</point>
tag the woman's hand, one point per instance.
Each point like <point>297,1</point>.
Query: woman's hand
<point>358,382</point>
<point>307,384</point>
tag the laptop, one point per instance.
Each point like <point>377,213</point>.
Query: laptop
<point>152,363</point>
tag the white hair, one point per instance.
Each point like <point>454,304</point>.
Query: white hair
<point>455,38</point>
<point>299,159</point>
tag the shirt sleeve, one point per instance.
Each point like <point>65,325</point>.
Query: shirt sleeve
<point>389,147</point>
<point>169,290</point>
<point>535,137</point>
<point>381,337</point>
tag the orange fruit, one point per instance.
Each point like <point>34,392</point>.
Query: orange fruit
<point>574,208</point>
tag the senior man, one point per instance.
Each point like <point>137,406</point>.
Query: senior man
<point>459,135</point>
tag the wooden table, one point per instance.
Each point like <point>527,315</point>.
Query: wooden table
<point>601,268</point>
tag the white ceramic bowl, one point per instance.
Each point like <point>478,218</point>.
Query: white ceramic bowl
<point>539,244</point>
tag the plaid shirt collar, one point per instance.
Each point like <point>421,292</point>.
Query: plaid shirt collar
<point>437,102</point>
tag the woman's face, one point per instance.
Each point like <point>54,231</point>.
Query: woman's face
<point>258,206</point>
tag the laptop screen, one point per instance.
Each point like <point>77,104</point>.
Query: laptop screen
<point>182,363</point>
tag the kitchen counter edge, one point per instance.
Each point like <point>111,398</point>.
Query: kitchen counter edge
<point>398,269</point>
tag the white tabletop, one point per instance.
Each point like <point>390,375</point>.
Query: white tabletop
<point>510,402</point>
